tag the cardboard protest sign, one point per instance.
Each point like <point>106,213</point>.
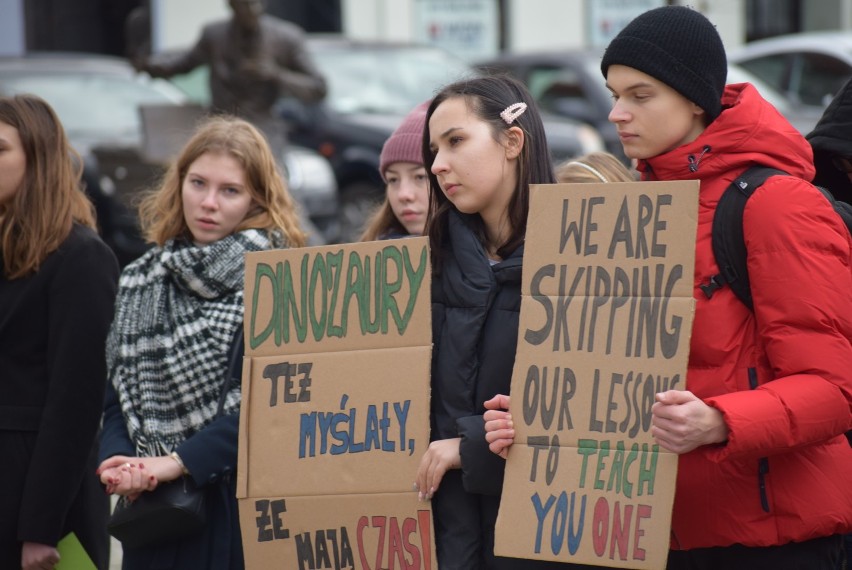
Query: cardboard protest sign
<point>606,318</point>
<point>335,407</point>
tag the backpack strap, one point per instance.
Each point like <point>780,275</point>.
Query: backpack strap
<point>727,235</point>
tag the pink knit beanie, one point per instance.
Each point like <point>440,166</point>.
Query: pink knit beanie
<point>404,145</point>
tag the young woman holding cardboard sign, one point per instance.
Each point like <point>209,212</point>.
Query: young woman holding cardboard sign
<point>484,144</point>
<point>179,308</point>
<point>759,430</point>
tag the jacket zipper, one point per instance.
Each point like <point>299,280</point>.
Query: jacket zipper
<point>695,162</point>
<point>763,462</point>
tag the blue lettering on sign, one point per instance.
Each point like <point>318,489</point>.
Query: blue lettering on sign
<point>381,429</point>
<point>566,524</point>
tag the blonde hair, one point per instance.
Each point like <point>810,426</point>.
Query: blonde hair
<point>594,167</point>
<point>161,215</point>
<point>38,217</point>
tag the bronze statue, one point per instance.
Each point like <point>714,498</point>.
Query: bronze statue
<point>254,59</point>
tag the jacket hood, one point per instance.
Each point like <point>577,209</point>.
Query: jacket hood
<point>749,130</point>
<point>832,136</point>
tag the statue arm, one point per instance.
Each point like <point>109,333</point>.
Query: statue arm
<point>169,64</point>
<point>297,75</point>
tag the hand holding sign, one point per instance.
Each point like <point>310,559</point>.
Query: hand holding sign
<point>681,422</point>
<point>499,429</point>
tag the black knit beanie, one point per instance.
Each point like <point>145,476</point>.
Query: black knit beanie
<point>678,46</point>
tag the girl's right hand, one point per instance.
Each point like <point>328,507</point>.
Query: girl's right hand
<point>499,429</point>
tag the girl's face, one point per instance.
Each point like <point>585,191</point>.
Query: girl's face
<point>215,196</point>
<point>13,162</point>
<point>651,117</point>
<point>476,172</point>
<point>408,194</point>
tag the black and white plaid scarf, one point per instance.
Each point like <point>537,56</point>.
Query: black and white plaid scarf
<point>177,311</point>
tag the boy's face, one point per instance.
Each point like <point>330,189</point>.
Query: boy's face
<point>651,117</point>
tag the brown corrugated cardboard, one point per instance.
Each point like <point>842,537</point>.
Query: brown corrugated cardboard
<point>606,319</point>
<point>335,407</point>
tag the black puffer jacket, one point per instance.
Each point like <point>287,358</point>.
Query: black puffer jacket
<point>832,136</point>
<point>475,309</point>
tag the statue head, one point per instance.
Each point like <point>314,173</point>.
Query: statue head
<point>247,12</point>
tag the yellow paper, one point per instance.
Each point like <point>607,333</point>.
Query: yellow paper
<point>72,555</point>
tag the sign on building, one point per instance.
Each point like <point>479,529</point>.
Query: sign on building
<point>608,17</point>
<point>466,28</point>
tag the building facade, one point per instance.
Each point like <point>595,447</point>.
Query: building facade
<point>471,28</point>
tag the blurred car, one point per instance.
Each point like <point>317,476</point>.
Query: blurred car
<point>803,119</point>
<point>372,85</point>
<point>570,83</point>
<point>98,99</point>
<point>563,82</point>
<point>807,68</point>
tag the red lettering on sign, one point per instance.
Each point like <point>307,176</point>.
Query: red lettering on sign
<point>618,535</point>
<point>402,545</point>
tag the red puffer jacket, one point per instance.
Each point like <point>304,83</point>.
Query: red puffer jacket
<point>781,376</point>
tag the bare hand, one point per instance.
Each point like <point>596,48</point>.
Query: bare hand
<point>499,428</point>
<point>442,455</point>
<point>682,422</point>
<point>131,476</point>
<point>37,556</point>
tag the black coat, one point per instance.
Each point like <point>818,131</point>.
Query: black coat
<point>210,455</point>
<point>53,327</point>
<point>475,312</point>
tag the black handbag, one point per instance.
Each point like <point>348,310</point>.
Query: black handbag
<point>174,509</point>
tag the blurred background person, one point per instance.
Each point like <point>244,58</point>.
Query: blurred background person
<point>57,290</point>
<point>831,141</point>
<point>403,211</point>
<point>178,310</point>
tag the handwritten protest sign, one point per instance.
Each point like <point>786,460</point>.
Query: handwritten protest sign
<point>335,408</point>
<point>606,318</point>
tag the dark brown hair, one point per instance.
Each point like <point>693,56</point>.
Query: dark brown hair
<point>487,97</point>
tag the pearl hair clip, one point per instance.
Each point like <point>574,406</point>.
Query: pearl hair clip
<point>590,169</point>
<point>512,112</point>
